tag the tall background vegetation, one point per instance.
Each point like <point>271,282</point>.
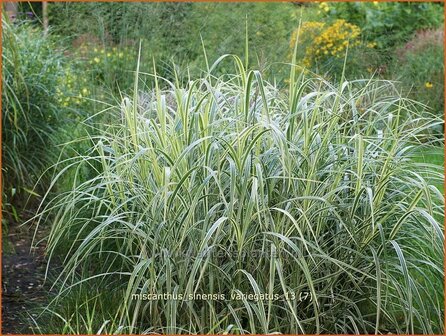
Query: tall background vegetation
<point>31,115</point>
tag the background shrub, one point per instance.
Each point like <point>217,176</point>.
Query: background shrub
<point>387,23</point>
<point>421,68</point>
<point>323,47</point>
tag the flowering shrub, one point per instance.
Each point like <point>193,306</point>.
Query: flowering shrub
<point>323,41</point>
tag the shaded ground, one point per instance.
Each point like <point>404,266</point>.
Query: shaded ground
<point>23,272</point>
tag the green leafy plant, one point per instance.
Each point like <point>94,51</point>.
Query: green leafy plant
<point>231,186</point>
<point>31,114</point>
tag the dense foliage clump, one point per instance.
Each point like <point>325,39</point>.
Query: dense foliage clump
<point>233,186</point>
<point>32,67</point>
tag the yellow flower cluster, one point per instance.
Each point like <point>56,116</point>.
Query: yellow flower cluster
<point>97,56</point>
<point>324,7</point>
<point>323,40</point>
<point>308,31</point>
<point>71,89</point>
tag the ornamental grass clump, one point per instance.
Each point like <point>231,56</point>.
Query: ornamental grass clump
<point>304,197</point>
<point>32,117</point>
